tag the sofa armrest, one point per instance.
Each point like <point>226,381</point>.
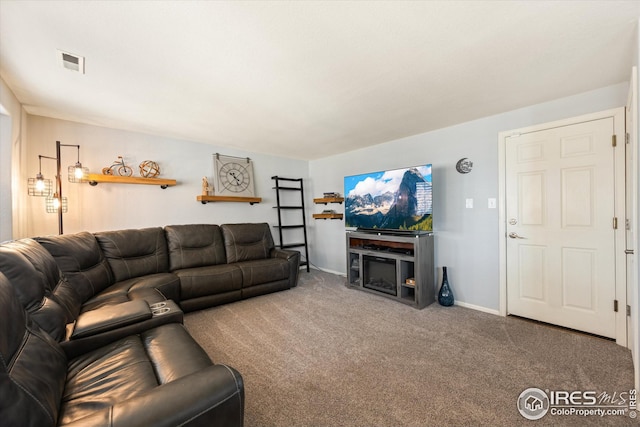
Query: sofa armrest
<point>284,253</point>
<point>213,397</point>
<point>110,317</point>
<point>170,312</point>
<point>293,258</point>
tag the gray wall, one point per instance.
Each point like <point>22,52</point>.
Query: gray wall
<point>10,146</point>
<point>119,206</point>
<point>466,240</point>
<point>6,217</point>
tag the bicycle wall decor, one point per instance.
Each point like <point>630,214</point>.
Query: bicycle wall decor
<point>118,168</point>
<point>148,168</point>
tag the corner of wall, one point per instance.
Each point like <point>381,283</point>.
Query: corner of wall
<point>10,141</point>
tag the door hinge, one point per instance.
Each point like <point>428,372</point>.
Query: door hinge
<point>615,223</point>
<point>627,138</point>
<point>615,305</point>
<point>628,310</point>
<point>613,141</point>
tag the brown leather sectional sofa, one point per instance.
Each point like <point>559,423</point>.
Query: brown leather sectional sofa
<point>91,324</point>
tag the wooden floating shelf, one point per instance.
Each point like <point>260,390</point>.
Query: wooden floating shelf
<point>95,178</point>
<point>326,200</point>
<point>328,216</point>
<point>206,199</point>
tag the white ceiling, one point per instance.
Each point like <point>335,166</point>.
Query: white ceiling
<point>307,79</point>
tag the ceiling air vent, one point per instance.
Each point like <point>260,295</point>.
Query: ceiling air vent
<point>71,61</point>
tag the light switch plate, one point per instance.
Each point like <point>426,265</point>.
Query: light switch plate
<point>468,204</point>
<point>491,203</point>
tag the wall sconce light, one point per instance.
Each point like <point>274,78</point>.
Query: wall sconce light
<point>37,186</point>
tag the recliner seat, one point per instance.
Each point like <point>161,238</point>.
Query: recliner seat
<point>160,377</point>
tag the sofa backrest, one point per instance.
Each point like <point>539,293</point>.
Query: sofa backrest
<point>194,245</point>
<point>245,242</point>
<point>135,252</point>
<point>39,284</point>
<point>81,260</point>
<point>33,367</point>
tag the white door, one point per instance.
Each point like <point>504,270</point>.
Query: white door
<point>560,209</point>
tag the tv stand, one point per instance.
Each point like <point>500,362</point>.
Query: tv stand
<point>397,266</point>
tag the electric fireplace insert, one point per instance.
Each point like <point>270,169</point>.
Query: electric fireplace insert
<point>380,274</point>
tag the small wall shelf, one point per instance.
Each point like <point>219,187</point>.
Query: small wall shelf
<point>325,200</point>
<point>206,199</point>
<point>95,178</point>
<point>327,216</point>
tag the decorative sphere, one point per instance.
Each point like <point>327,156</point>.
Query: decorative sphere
<point>149,169</point>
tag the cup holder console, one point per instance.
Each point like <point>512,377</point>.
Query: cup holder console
<point>160,311</point>
<point>159,308</point>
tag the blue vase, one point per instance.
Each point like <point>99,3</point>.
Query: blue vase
<point>445,296</point>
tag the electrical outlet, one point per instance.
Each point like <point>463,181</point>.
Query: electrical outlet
<point>469,203</point>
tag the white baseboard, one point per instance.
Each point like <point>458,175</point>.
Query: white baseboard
<point>478,308</point>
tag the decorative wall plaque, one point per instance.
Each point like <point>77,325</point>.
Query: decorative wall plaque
<point>233,176</point>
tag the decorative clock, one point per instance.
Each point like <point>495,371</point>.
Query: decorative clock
<point>233,176</point>
<point>464,165</point>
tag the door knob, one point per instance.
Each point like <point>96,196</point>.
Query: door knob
<point>514,235</point>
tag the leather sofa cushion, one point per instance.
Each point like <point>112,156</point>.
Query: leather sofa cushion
<point>81,260</point>
<point>173,352</point>
<point>32,368</point>
<point>103,377</point>
<point>134,253</point>
<point>262,271</point>
<point>23,275</point>
<point>245,242</point>
<point>46,267</point>
<point>194,245</point>
<point>203,281</point>
<point>55,284</point>
<point>30,287</point>
<point>128,368</point>
<point>152,288</point>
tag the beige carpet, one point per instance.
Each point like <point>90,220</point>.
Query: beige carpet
<point>322,354</point>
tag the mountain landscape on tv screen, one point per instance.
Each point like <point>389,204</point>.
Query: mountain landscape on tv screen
<point>405,207</point>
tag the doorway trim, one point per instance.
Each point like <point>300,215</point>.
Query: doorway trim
<point>618,114</point>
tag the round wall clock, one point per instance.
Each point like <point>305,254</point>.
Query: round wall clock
<point>464,165</point>
<point>233,176</point>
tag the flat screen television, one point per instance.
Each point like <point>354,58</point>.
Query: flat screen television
<point>399,199</point>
